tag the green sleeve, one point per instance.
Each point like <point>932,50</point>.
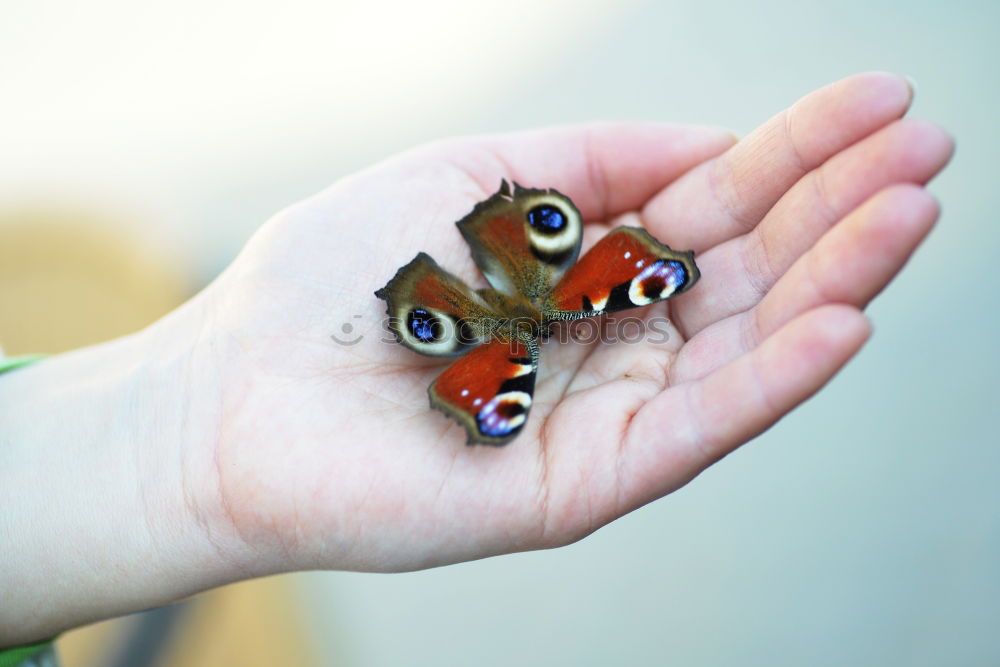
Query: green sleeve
<point>10,363</point>
<point>11,657</point>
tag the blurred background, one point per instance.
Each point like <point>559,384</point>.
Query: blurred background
<point>142,143</point>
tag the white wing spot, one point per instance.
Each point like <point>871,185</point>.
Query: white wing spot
<point>523,369</point>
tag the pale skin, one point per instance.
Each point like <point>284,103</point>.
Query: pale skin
<point>234,438</point>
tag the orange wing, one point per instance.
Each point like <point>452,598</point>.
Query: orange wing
<point>625,269</point>
<point>523,240</point>
<point>489,391</point>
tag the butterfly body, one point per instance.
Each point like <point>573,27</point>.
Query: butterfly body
<point>527,244</point>
<point>514,309</point>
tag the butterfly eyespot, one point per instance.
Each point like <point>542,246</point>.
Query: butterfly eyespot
<point>504,414</point>
<point>547,219</point>
<point>423,326</point>
<point>657,281</point>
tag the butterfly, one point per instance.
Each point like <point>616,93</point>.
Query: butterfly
<point>526,242</point>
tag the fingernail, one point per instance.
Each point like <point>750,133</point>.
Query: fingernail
<point>912,83</point>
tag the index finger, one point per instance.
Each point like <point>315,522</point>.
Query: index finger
<point>729,195</point>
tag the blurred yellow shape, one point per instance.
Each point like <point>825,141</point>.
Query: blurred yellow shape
<point>252,623</point>
<point>71,278</point>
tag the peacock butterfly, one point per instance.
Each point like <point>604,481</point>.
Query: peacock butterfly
<point>526,242</point>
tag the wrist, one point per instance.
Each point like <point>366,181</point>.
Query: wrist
<point>94,488</point>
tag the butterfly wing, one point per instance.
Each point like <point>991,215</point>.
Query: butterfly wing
<point>523,240</point>
<point>433,312</point>
<point>625,269</point>
<point>489,391</point>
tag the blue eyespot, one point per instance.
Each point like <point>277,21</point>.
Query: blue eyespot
<point>424,326</point>
<point>680,274</point>
<point>546,219</point>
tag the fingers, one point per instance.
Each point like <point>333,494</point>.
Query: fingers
<point>730,195</point>
<point>605,168</point>
<point>747,396</point>
<point>907,151</point>
<point>738,272</point>
<point>683,430</point>
<point>853,265</point>
<point>849,265</point>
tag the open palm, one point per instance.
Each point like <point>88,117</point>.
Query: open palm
<point>326,454</point>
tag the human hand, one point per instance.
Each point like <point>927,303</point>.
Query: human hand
<point>332,458</point>
<point>299,453</point>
